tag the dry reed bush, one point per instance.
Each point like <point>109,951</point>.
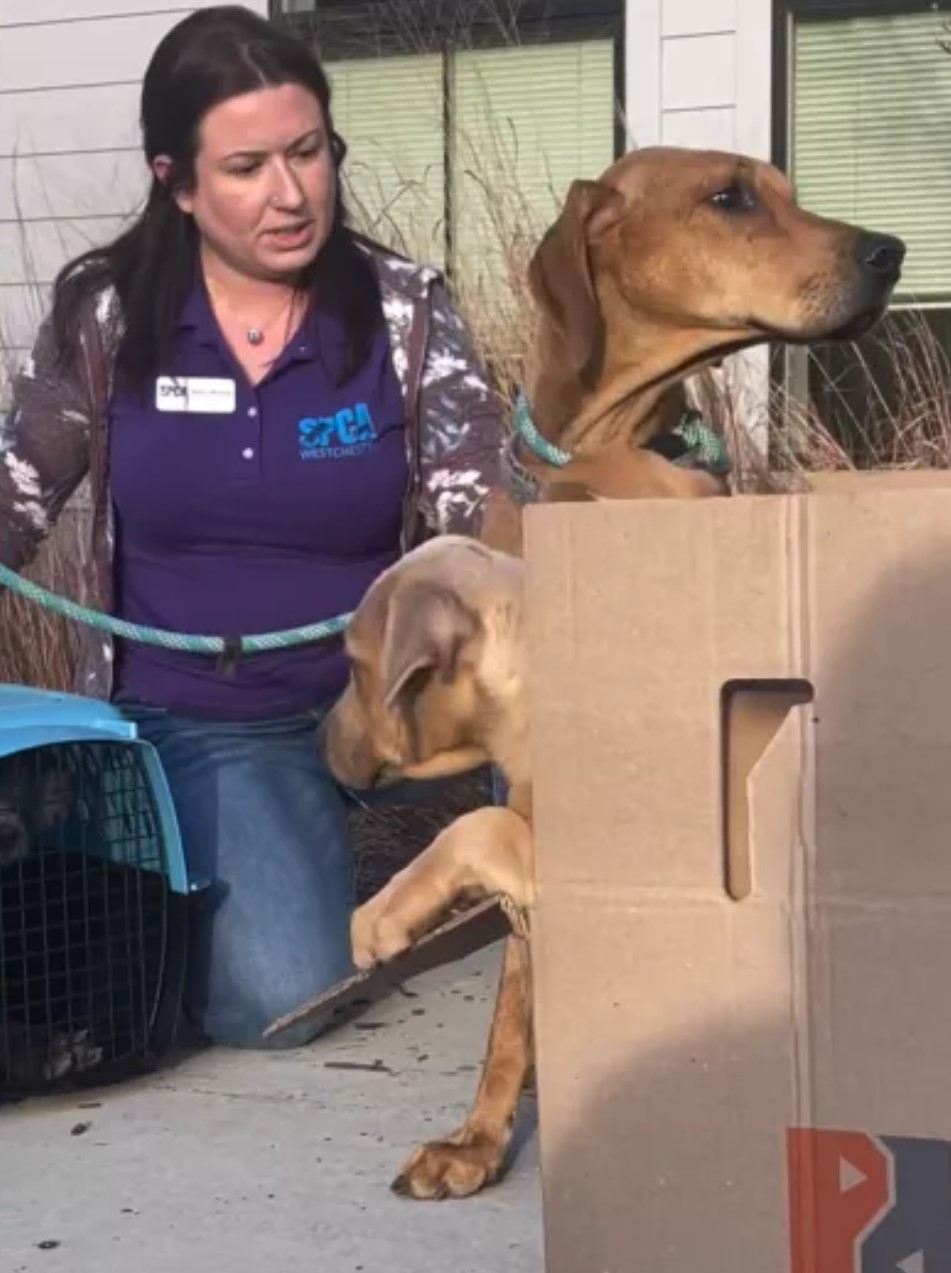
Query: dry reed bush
<point>882,403</point>
<point>37,647</point>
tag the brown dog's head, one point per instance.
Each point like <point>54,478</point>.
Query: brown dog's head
<point>706,253</point>
<point>435,681</point>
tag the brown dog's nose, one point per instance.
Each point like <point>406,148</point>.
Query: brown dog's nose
<point>881,253</point>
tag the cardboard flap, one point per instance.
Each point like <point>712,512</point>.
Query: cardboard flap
<point>460,935</point>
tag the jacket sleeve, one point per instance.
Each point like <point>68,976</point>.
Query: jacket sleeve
<point>44,448</point>
<point>461,426</point>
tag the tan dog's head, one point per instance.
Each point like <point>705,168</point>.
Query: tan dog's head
<point>435,654</point>
<point>706,253</point>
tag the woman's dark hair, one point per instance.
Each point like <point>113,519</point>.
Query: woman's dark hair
<point>212,55</point>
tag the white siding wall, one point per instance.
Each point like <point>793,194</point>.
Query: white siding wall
<point>70,165</point>
<point>698,73</point>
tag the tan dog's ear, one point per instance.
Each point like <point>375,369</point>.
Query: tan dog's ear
<point>426,627</point>
<point>559,273</point>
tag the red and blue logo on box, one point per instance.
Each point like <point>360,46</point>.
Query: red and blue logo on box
<point>868,1204</point>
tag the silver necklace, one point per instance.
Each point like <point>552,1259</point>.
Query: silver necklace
<point>255,334</point>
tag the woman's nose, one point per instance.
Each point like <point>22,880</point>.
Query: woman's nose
<point>286,190</point>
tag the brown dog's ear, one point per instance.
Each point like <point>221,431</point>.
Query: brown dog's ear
<point>559,273</point>
<point>426,627</point>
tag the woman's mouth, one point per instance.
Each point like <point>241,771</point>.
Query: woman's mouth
<point>289,237</point>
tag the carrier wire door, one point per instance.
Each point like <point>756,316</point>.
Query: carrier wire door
<point>93,895</point>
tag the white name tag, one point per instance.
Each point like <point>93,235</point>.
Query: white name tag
<point>196,394</point>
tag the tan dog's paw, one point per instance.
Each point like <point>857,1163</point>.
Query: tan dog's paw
<point>454,1168</point>
<point>376,936</point>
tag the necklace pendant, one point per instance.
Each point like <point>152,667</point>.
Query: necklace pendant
<point>255,336</point>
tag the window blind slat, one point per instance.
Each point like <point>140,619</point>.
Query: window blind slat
<point>871,119</point>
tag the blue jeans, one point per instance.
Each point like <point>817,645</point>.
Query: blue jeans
<point>263,819</point>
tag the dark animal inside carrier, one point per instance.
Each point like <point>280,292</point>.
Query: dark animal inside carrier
<point>93,895</point>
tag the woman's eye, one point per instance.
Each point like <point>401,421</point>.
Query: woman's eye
<point>734,198</point>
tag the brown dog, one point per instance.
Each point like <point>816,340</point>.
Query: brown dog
<point>672,260</point>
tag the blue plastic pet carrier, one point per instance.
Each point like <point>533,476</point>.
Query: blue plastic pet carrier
<point>93,895</point>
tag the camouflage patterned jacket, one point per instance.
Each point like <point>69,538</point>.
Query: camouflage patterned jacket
<point>55,437</point>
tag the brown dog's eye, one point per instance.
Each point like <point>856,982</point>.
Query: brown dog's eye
<point>734,198</point>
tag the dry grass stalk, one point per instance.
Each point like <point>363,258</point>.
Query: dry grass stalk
<point>888,406</point>
<point>36,646</point>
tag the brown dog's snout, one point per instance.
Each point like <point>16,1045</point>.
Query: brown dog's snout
<point>881,255</point>
<point>847,297</point>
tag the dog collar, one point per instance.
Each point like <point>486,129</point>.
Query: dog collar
<point>705,448</point>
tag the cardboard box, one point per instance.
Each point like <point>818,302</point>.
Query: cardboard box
<point>742,947</point>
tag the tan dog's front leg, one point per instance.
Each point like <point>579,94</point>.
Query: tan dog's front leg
<point>473,1157</point>
<point>482,853</point>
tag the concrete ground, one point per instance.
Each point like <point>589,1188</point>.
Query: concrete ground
<point>237,1162</point>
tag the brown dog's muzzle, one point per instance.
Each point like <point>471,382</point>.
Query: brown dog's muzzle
<point>879,258</point>
<point>846,299</point>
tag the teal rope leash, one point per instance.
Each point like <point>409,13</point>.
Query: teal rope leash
<point>231,647</point>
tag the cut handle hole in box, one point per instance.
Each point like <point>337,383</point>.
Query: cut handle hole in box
<point>752,714</point>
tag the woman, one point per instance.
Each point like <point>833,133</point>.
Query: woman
<point>270,409</point>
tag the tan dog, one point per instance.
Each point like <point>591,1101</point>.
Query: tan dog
<point>437,687</point>
<point>674,259</point>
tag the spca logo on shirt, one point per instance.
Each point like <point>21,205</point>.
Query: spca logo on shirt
<point>336,437</point>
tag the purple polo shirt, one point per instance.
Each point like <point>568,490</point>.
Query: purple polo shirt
<point>243,509</point>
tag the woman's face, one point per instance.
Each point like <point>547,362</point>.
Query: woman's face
<point>265,182</point>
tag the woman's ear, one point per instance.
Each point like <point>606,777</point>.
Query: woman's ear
<point>161,167</point>
<point>162,171</point>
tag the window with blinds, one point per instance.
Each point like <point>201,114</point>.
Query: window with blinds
<point>525,122</point>
<point>389,110</point>
<point>511,126</point>
<point>871,122</point>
